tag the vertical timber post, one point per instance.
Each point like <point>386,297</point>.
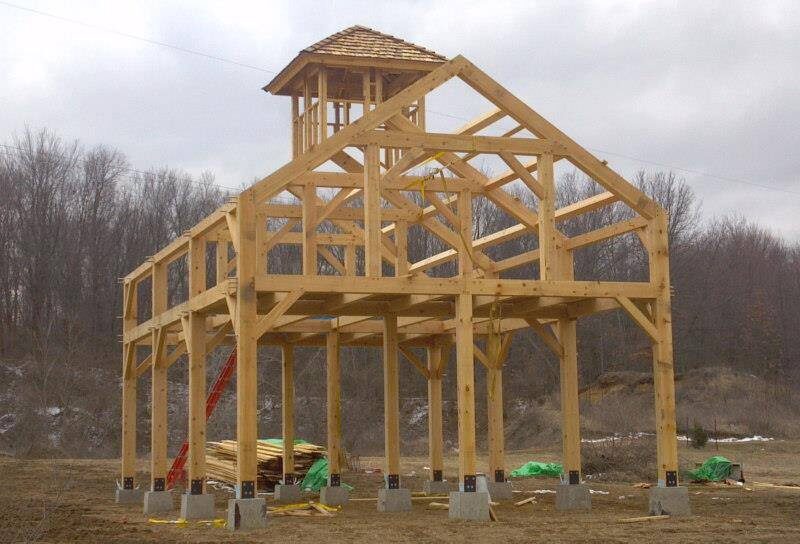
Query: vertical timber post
<point>570,417</point>
<point>494,396</point>
<point>196,348</point>
<point>372,211</point>
<point>663,371</point>
<point>391,402</point>
<point>465,362</point>
<point>158,418</point>
<point>435,439</point>
<point>333,494</point>
<point>287,420</point>
<point>127,493</point>
<point>247,349</point>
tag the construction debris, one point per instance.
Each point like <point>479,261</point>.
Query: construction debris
<point>438,506</point>
<point>643,518</point>
<point>310,508</point>
<point>525,501</point>
<point>221,460</point>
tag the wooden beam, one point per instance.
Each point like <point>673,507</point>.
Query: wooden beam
<point>414,360</point>
<point>196,344</point>
<point>266,322</point>
<point>287,413</point>
<point>639,318</point>
<point>465,381</point>
<point>435,439</point>
<point>247,350</point>
<point>570,417</point>
<point>372,211</point>
<point>547,336</point>
<point>431,141</point>
<point>334,416</point>
<point>494,407</point>
<point>540,127</point>
<point>309,230</point>
<point>158,384</point>
<point>129,384</point>
<point>391,401</point>
<point>663,370</point>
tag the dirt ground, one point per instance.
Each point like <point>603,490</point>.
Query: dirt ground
<point>69,500</point>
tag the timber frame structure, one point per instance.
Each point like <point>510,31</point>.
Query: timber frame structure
<point>359,143</point>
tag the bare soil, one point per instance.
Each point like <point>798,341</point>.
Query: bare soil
<point>72,500</point>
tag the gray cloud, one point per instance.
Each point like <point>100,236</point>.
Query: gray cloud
<point>708,86</point>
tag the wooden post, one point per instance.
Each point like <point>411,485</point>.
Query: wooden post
<point>295,122</point>
<point>663,371</point>
<point>548,234</point>
<point>322,103</point>
<point>401,243</point>
<point>261,243</point>
<point>435,440</point>
<point>391,402</point>
<point>494,401</point>
<point>247,350</point>
<point>465,377</point>
<point>129,383</point>
<point>350,259</point>
<point>334,419</point>
<point>158,412</point>
<point>195,337</point>
<point>309,229</point>
<point>570,416</point>
<point>223,239</point>
<point>372,211</point>
<point>287,351</point>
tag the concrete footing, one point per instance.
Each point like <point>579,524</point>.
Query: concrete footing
<point>573,497</point>
<point>472,505</point>
<point>197,506</point>
<point>129,496</point>
<point>333,496</point>
<point>287,494</point>
<point>247,514</point>
<point>158,501</point>
<point>500,491</point>
<point>431,487</point>
<point>394,500</point>
<point>673,501</point>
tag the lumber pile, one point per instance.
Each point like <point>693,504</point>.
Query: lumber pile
<point>221,461</point>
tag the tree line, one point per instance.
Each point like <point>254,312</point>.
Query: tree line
<point>74,220</point>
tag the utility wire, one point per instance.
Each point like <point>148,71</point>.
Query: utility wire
<point>442,114</point>
<point>134,37</point>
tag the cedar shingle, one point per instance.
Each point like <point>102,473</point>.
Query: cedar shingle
<point>360,41</point>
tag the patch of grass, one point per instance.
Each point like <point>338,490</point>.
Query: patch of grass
<point>620,459</point>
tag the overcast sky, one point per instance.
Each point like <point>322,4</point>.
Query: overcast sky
<point>712,87</point>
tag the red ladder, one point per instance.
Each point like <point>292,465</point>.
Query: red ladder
<point>177,473</point>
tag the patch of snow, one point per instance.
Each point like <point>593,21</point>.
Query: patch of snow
<point>733,440</point>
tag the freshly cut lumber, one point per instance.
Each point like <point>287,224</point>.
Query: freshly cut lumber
<point>438,506</point>
<point>492,514</point>
<point>643,518</point>
<point>221,461</point>
<point>525,501</point>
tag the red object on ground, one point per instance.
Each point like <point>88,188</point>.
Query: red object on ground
<point>177,473</point>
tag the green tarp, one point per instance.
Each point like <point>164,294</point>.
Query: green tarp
<point>535,468</point>
<point>317,477</point>
<point>714,469</point>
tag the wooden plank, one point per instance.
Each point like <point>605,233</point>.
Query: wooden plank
<point>334,415</point>
<point>247,354</point>
<point>604,233</point>
<point>549,241</point>
<point>546,334</point>
<point>287,412</point>
<point>391,396</point>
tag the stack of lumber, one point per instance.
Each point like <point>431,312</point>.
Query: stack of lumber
<point>221,461</point>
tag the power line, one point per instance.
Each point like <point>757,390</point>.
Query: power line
<point>129,170</point>
<point>134,37</point>
<point>442,114</point>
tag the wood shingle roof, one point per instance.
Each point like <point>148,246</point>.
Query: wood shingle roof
<point>360,41</point>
